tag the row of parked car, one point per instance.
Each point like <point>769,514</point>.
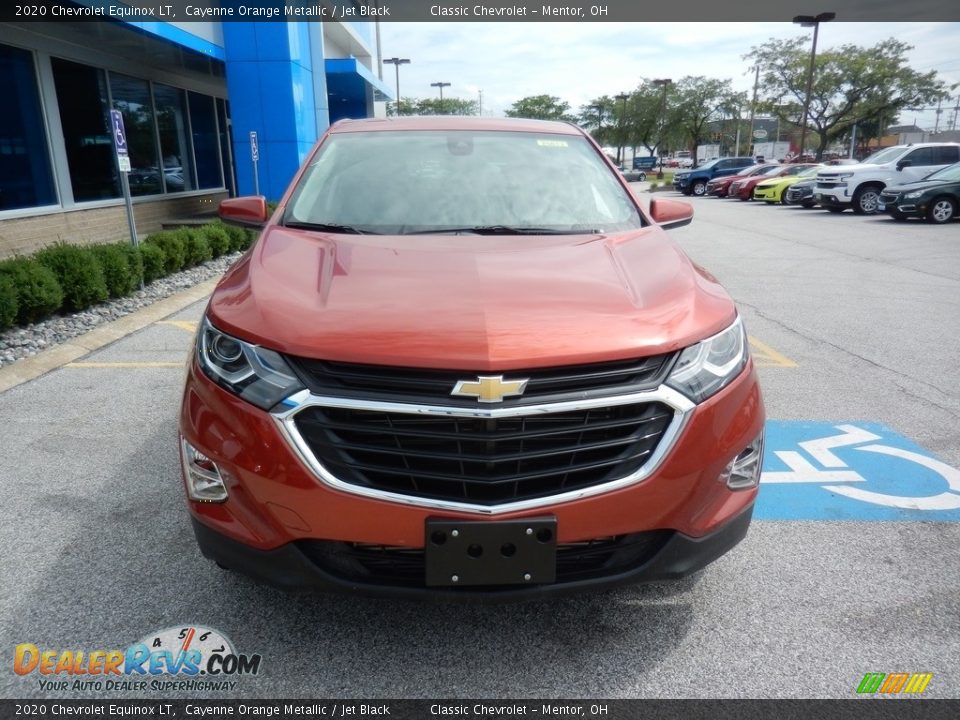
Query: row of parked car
<point>921,180</point>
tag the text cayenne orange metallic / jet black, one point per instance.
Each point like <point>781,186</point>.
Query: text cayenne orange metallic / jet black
<point>460,361</point>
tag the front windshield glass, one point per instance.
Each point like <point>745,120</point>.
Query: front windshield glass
<point>408,182</point>
<point>951,173</point>
<point>884,156</point>
<point>810,171</point>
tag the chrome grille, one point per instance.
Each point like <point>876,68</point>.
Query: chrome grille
<point>484,461</point>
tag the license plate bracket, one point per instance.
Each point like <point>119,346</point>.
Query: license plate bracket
<point>498,552</point>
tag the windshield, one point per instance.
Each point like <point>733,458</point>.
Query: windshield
<point>775,170</point>
<point>708,164</point>
<point>457,181</point>
<point>884,156</point>
<point>810,171</point>
<point>951,173</point>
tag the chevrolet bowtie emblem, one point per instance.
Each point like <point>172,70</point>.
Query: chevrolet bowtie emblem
<point>489,389</point>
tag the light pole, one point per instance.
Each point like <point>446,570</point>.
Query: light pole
<point>440,85</point>
<point>397,62</point>
<point>814,22</point>
<point>622,97</point>
<point>663,82</point>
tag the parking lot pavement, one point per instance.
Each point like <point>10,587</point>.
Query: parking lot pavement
<point>854,323</point>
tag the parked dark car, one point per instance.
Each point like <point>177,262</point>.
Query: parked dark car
<point>801,193</point>
<point>935,198</point>
<point>694,182</point>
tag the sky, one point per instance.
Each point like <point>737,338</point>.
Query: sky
<point>580,61</point>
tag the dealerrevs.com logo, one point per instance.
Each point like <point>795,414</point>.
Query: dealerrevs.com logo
<point>175,659</point>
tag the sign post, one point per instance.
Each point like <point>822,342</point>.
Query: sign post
<point>123,163</point>
<point>255,157</point>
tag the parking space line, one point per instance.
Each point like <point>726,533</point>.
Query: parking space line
<point>125,365</point>
<point>766,356</point>
<point>189,325</point>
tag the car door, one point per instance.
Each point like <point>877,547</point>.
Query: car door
<point>917,164</point>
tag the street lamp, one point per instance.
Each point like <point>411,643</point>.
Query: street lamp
<point>397,62</point>
<point>440,85</point>
<point>664,83</point>
<point>622,97</point>
<point>814,22</point>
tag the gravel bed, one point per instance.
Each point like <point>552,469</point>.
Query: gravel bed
<point>22,342</point>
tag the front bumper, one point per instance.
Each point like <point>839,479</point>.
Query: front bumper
<point>832,196</point>
<point>292,568</point>
<point>276,502</point>
<point>767,194</point>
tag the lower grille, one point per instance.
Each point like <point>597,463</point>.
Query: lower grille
<point>889,198</point>
<point>483,461</point>
<point>405,567</point>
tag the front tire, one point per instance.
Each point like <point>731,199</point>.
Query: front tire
<point>865,199</point>
<point>807,204</point>
<point>831,208</point>
<point>942,210</point>
<point>699,187</point>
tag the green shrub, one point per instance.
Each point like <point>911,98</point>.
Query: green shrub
<point>8,302</point>
<point>134,260</point>
<point>79,274</point>
<point>38,291</point>
<point>154,262</point>
<point>174,249</point>
<point>116,269</point>
<point>198,249</point>
<point>217,238</point>
<point>239,237</point>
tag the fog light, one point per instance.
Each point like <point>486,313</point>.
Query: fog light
<point>204,482</point>
<point>743,471</point>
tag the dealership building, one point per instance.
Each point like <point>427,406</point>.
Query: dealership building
<point>190,94</point>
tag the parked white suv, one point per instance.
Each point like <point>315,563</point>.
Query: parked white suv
<point>859,186</point>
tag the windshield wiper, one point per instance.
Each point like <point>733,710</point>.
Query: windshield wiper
<point>499,230</point>
<point>327,227</point>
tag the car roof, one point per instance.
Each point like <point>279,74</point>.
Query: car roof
<point>450,122</point>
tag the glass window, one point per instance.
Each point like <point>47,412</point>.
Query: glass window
<point>464,181</point>
<point>947,155</point>
<point>26,179</point>
<point>174,138</point>
<point>85,117</point>
<point>921,157</point>
<point>131,97</point>
<point>204,123</point>
<point>223,111</point>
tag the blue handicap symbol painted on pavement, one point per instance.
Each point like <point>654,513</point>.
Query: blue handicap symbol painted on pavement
<point>852,471</point>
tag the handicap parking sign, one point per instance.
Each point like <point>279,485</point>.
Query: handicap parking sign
<point>120,140</point>
<point>852,471</point>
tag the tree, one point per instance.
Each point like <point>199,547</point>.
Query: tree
<point>432,106</point>
<point>698,101</point>
<point>851,84</point>
<point>540,107</point>
<point>600,117</point>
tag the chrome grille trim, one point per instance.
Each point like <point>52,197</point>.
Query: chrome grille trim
<point>681,405</point>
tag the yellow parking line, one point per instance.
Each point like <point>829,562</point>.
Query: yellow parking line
<point>125,365</point>
<point>766,356</point>
<point>189,325</point>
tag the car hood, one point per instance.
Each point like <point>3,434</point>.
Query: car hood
<point>920,185</point>
<point>783,180</point>
<point>469,302</point>
<point>859,167</point>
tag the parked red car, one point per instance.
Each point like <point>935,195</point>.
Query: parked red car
<point>743,188</point>
<point>462,360</point>
<point>718,187</point>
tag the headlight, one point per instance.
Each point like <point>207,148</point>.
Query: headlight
<point>844,176</point>
<point>257,375</point>
<point>703,369</point>
<point>914,195</point>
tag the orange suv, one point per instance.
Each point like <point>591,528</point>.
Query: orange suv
<point>463,361</point>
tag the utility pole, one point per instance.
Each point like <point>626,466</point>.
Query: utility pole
<point>396,62</point>
<point>753,112</point>
<point>936,125</point>
<point>664,83</point>
<point>814,22</point>
<point>622,97</point>
<point>440,85</point>
<point>480,104</point>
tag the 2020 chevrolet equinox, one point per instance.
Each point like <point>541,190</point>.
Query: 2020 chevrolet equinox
<point>462,360</point>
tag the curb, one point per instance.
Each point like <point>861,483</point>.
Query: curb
<point>48,360</point>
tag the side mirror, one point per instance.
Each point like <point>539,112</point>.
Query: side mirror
<point>904,163</point>
<point>670,214</point>
<point>249,211</point>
